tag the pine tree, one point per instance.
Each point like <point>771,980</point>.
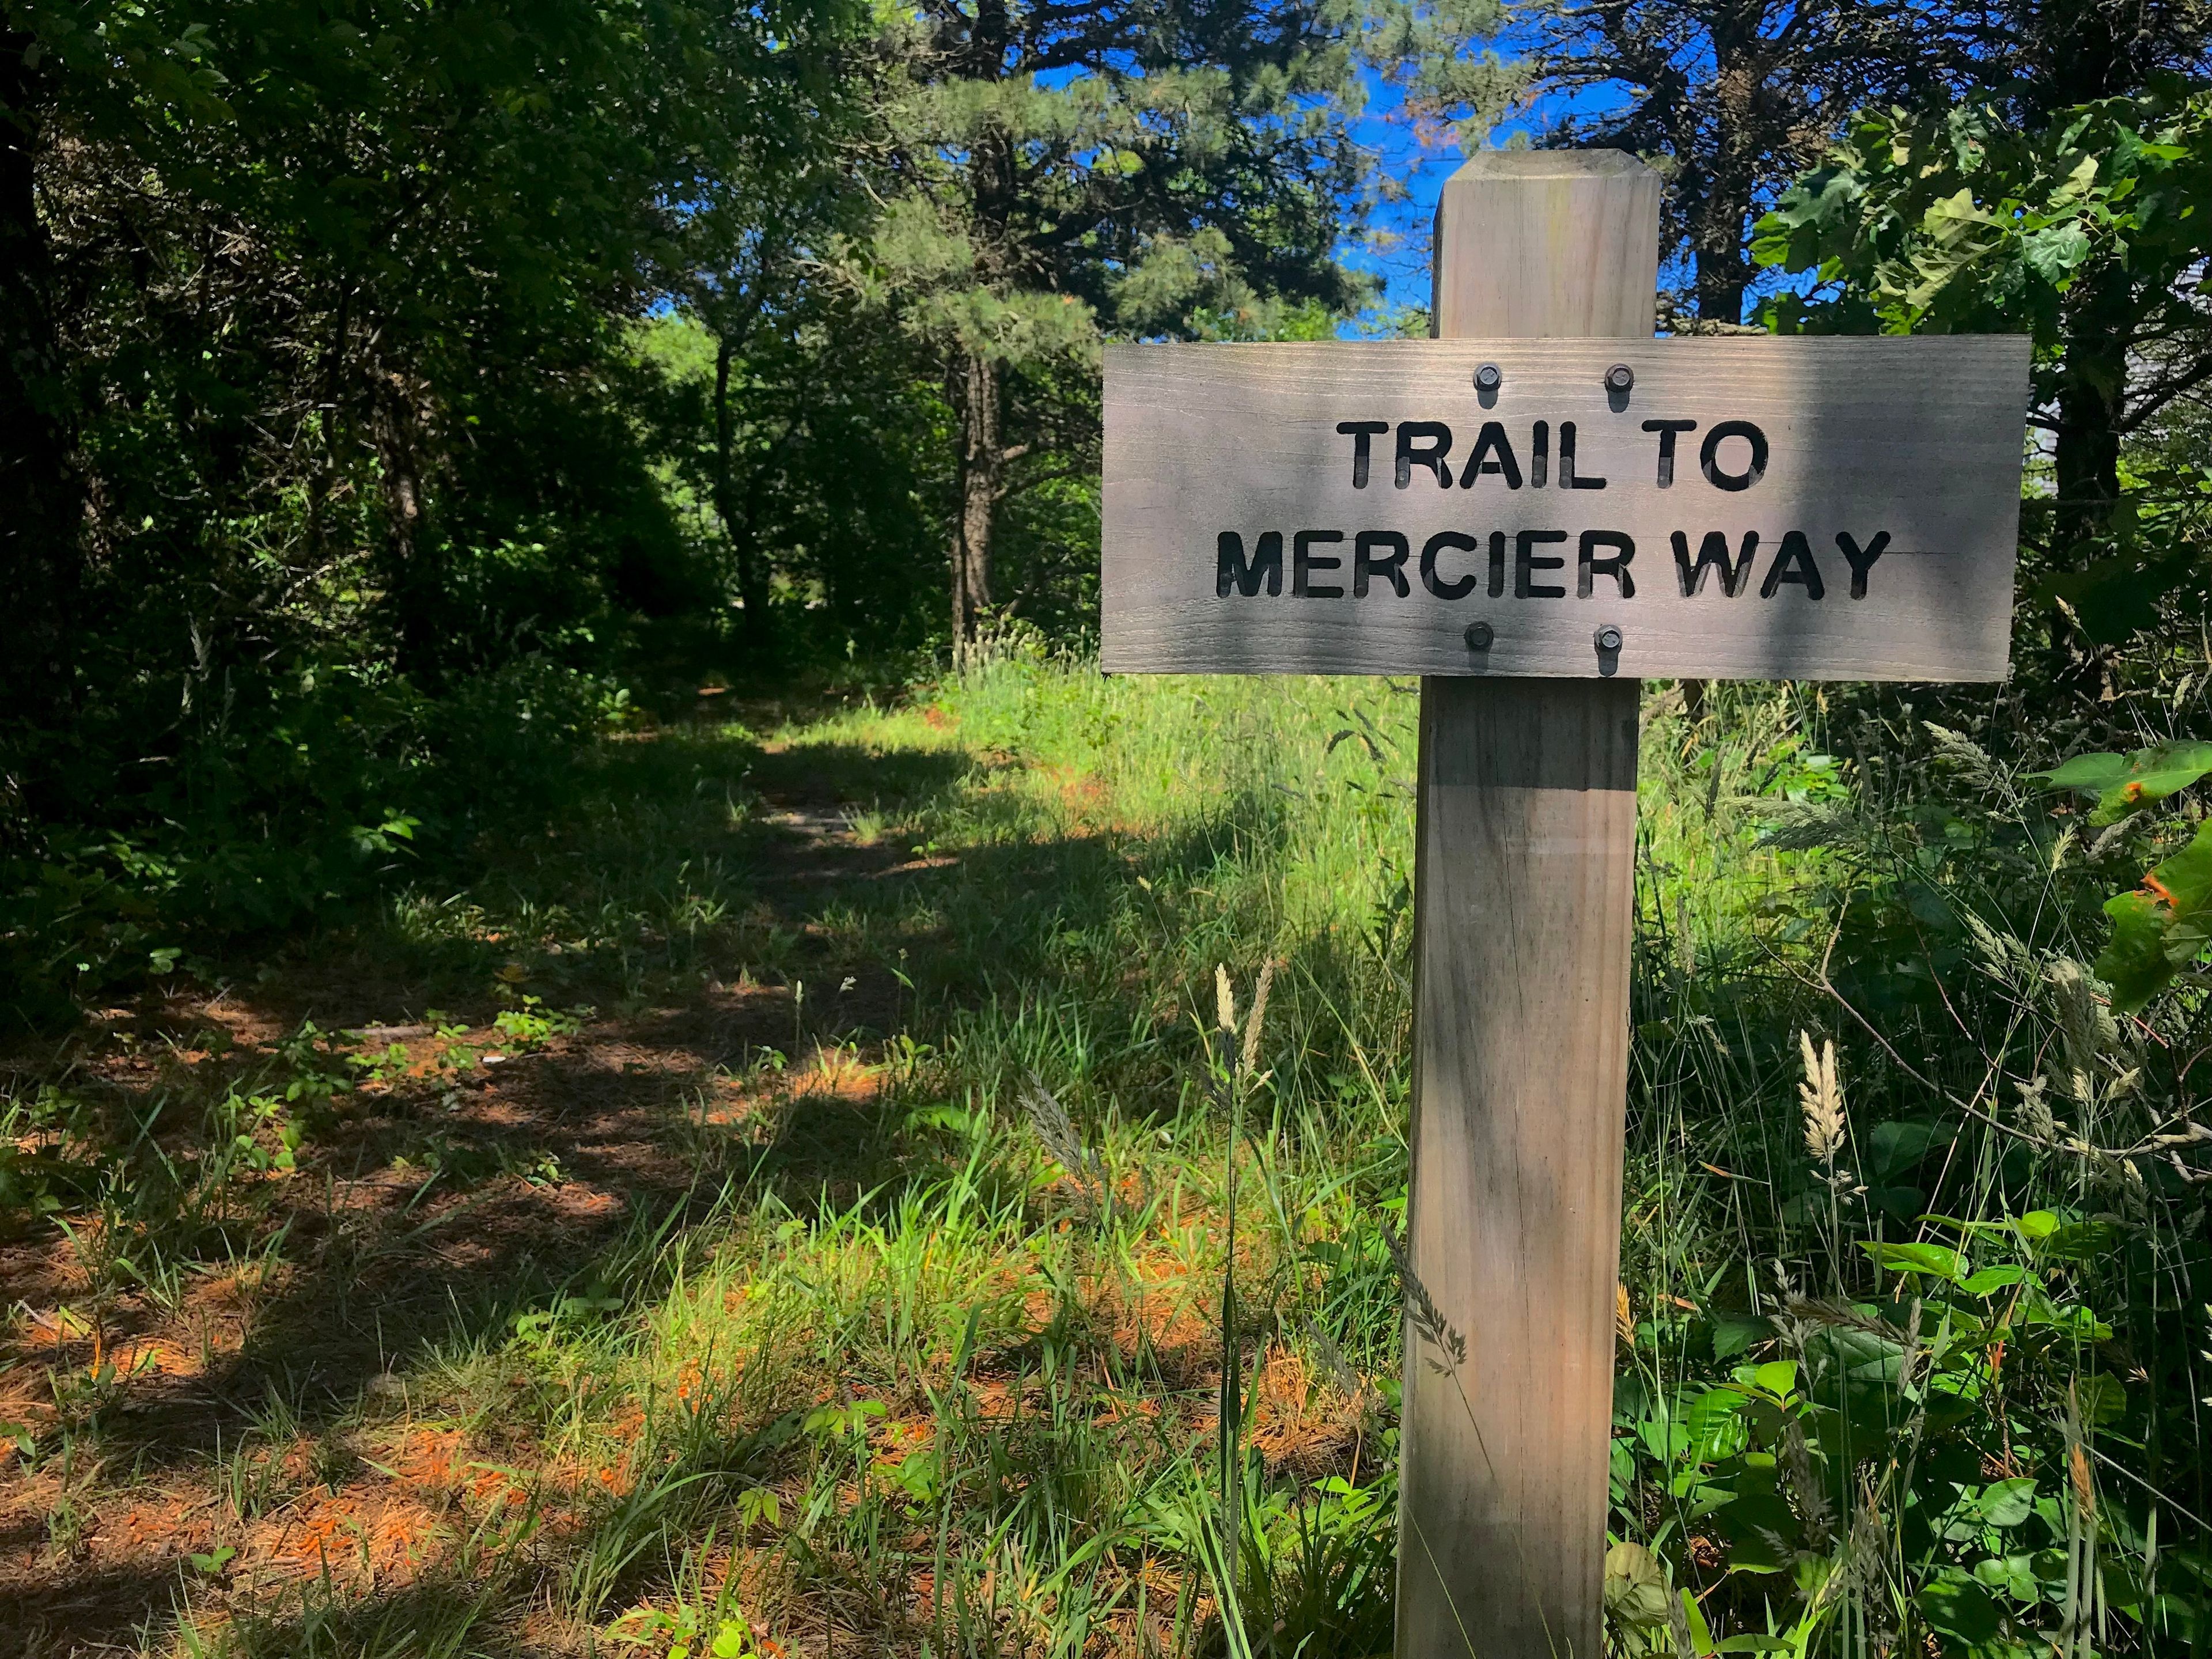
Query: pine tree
<point>1051,171</point>
<point>1730,98</point>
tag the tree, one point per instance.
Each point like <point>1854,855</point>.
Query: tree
<point>2034,67</point>
<point>2085,230</point>
<point>1050,170</point>
<point>86,73</point>
<point>754,245</point>
<point>1731,97</point>
<point>269,276</point>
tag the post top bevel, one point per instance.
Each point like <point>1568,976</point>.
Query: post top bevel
<point>1486,164</point>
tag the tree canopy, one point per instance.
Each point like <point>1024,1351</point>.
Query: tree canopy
<point>356,359</point>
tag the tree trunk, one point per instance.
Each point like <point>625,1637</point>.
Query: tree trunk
<point>1717,237</point>
<point>2085,464</point>
<point>982,464</point>
<point>1742,133</point>
<point>2086,454</point>
<point>414,581</point>
<point>737,526</point>
<point>41,531</point>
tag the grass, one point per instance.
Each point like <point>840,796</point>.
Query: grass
<point>782,1201</point>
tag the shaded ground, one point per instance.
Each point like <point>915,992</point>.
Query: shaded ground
<point>393,1313</point>
<point>459,1178</point>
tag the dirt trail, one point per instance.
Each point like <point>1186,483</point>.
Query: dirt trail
<point>435,1197</point>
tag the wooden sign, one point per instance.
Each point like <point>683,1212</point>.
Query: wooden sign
<point>1733,508</point>
<point>1533,513</point>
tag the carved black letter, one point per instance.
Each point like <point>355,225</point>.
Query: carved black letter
<point>1861,559</point>
<point>1713,555</point>
<point>1432,457</point>
<point>1365,564</point>
<point>1793,563</point>
<point>1266,560</point>
<point>1567,479</point>
<point>1667,431</point>
<point>1752,474</point>
<point>1304,560</point>
<point>1362,434</point>
<point>1525,560</point>
<point>1589,566</point>
<point>1460,588</point>
<point>1493,453</point>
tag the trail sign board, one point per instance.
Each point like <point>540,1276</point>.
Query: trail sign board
<point>1735,507</point>
<point>1533,511</point>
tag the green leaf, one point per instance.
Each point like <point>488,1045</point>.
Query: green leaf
<point>1635,1586</point>
<point>1734,1333</point>
<point>2124,783</point>
<point>1762,1533</point>
<point>2009,1503</point>
<point>1858,1356</point>
<point>1900,1145</point>
<point>2013,1574</point>
<point>1936,1260</point>
<point>1957,1607</point>
<point>1991,1279</point>
<point>1713,1425</point>
<point>1701,1633</point>
<point>2056,253</point>
<point>2159,928</point>
<point>2103,1399</point>
<point>1776,1376</point>
<point>2115,598</point>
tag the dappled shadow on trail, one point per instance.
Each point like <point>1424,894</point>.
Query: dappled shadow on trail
<point>69,1612</point>
<point>747,928</point>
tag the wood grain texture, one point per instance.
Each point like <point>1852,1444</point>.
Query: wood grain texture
<point>1561,240</point>
<point>1917,439</point>
<point>1525,882</point>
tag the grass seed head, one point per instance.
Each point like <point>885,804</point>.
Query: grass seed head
<point>1823,1099</point>
<point>1250,1057</point>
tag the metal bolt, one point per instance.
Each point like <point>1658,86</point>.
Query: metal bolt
<point>1488,378</point>
<point>1479,635</point>
<point>1609,638</point>
<point>1619,378</point>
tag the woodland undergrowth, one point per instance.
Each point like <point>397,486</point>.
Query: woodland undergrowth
<point>1008,1261</point>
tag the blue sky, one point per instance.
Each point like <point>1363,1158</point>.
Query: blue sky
<point>1405,267</point>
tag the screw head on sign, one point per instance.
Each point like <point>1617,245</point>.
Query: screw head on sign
<point>1489,378</point>
<point>1609,638</point>
<point>1619,378</point>
<point>1479,636</point>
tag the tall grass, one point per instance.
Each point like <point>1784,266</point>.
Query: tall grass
<point>1081,1332</point>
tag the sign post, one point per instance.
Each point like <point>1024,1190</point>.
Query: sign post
<point>1524,877</point>
<point>1533,511</point>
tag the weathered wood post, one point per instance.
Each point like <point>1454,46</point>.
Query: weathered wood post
<point>1525,882</point>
